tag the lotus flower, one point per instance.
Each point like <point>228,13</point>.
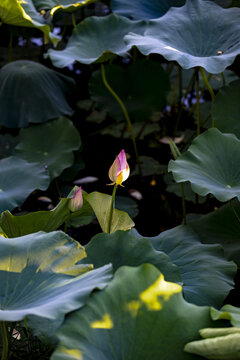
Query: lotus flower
<point>119,171</point>
<point>76,201</point>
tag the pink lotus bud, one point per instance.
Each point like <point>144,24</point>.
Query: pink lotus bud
<point>119,171</point>
<point>76,201</point>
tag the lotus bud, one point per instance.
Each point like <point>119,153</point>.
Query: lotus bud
<point>76,201</point>
<point>119,171</point>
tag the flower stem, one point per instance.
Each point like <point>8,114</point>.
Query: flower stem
<point>3,332</point>
<point>124,110</point>
<point>111,209</point>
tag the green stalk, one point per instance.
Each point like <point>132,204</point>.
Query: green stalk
<point>198,101</point>
<point>223,79</point>
<point>176,153</point>
<point>3,331</point>
<point>234,211</point>
<point>111,209</point>
<point>74,21</point>
<point>205,79</point>
<point>124,110</point>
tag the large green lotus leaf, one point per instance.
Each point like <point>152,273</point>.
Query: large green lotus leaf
<point>227,312</point>
<point>61,5</point>
<point>39,277</point>
<point>96,38</point>
<point>38,143</point>
<point>226,109</point>
<point>18,179</point>
<point>122,248</point>
<point>32,93</point>
<point>149,9</point>
<point>140,101</point>
<point>23,13</point>
<point>14,226</point>
<point>220,227</point>
<point>207,275</point>
<point>101,204</point>
<point>193,35</point>
<point>138,316</point>
<point>211,165</point>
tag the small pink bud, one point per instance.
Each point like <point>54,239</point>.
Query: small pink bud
<point>76,201</point>
<point>119,171</point>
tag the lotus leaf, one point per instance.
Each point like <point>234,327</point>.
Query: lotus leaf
<point>211,165</point>
<point>40,278</point>
<point>122,248</point>
<point>96,39</point>
<point>14,226</point>
<point>226,109</point>
<point>200,33</point>
<point>38,143</point>
<point>140,101</point>
<point>101,204</point>
<point>220,227</point>
<point>150,9</point>
<point>18,179</point>
<point>32,93</point>
<point>144,9</point>
<point>138,315</point>
<point>23,13</point>
<point>61,5</point>
<point>207,275</point>
<point>227,312</point>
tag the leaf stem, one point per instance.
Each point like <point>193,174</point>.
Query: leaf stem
<point>198,101</point>
<point>124,110</point>
<point>111,209</point>
<point>74,21</point>
<point>3,331</point>
<point>234,211</point>
<point>223,79</point>
<point>207,83</point>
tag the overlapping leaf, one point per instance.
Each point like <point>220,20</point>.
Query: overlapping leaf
<point>138,315</point>
<point>32,93</point>
<point>149,9</point>
<point>220,227</point>
<point>14,226</point>
<point>122,248</point>
<point>207,275</point>
<point>23,13</point>
<point>56,6</point>
<point>144,9</point>
<point>40,278</point>
<point>38,143</point>
<point>18,179</point>
<point>211,165</point>
<point>96,38</point>
<point>101,204</point>
<point>200,33</point>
